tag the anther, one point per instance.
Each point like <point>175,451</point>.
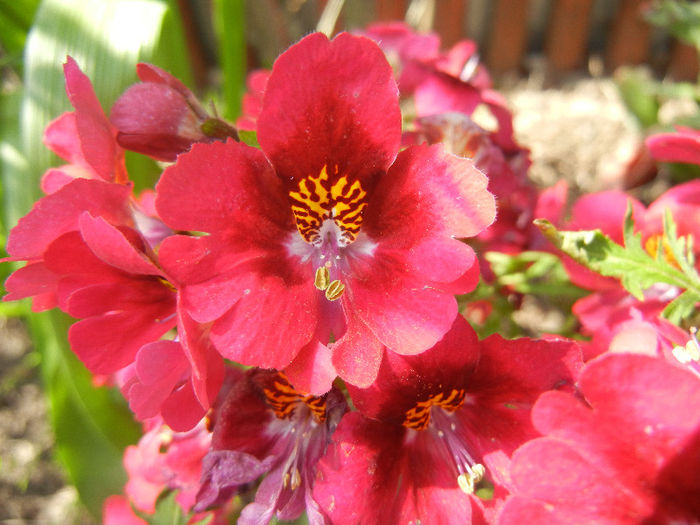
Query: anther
<point>335,290</point>
<point>322,278</point>
<point>468,480</point>
<point>296,479</point>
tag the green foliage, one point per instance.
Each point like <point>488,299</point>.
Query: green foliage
<point>15,20</point>
<point>107,38</point>
<point>230,28</point>
<point>92,425</point>
<point>168,512</point>
<point>673,263</point>
<point>534,273</point>
<point>681,18</point>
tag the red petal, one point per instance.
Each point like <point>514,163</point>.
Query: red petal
<point>97,136</point>
<point>113,248</point>
<point>331,103</point>
<point>59,212</point>
<point>224,186</point>
<point>269,325</point>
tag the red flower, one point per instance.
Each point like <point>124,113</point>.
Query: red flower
<point>432,425</point>
<point>329,208</point>
<point>626,451</point>
<point>265,426</point>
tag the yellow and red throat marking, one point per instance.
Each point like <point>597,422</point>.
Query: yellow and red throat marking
<point>283,399</point>
<point>328,196</point>
<point>418,417</point>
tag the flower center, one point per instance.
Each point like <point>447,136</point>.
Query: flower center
<point>328,197</point>
<point>436,415</point>
<point>283,398</point>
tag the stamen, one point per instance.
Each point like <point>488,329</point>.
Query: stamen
<point>335,290</point>
<point>691,351</point>
<point>468,480</point>
<point>296,479</point>
<point>322,278</point>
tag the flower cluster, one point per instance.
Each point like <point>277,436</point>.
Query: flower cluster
<point>283,319</point>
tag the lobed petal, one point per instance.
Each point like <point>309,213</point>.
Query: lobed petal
<point>331,103</point>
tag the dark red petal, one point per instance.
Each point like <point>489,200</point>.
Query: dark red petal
<point>224,186</point>
<point>59,212</point>
<point>367,456</point>
<point>331,103</point>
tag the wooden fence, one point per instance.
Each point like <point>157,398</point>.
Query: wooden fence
<point>567,33</point>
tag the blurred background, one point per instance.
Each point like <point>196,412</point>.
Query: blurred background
<point>586,81</point>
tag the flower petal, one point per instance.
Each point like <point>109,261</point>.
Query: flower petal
<point>331,103</point>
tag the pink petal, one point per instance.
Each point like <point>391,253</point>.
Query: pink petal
<point>675,147</point>
<point>59,212</point>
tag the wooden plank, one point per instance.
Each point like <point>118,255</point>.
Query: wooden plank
<point>684,63</point>
<point>630,36</point>
<point>390,10</point>
<point>508,35</point>
<point>566,44</point>
<point>449,20</point>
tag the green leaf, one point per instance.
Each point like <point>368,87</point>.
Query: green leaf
<point>15,20</point>
<point>168,511</point>
<point>230,28</point>
<point>679,17</point>
<point>637,89</point>
<point>92,425</point>
<point>249,137</point>
<point>636,268</point>
<point>535,273</point>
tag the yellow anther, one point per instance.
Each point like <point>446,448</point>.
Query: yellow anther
<point>296,479</point>
<point>323,278</point>
<point>335,290</point>
<point>468,480</point>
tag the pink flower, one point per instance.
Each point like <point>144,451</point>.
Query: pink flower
<point>162,460</point>
<point>682,146</point>
<point>433,425</point>
<point>265,426</point>
<point>624,451</point>
<point>160,117</point>
<point>256,82</point>
<point>329,235</point>
<point>84,137</point>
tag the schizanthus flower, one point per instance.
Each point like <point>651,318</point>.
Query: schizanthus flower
<point>432,426</point>
<point>329,234</point>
